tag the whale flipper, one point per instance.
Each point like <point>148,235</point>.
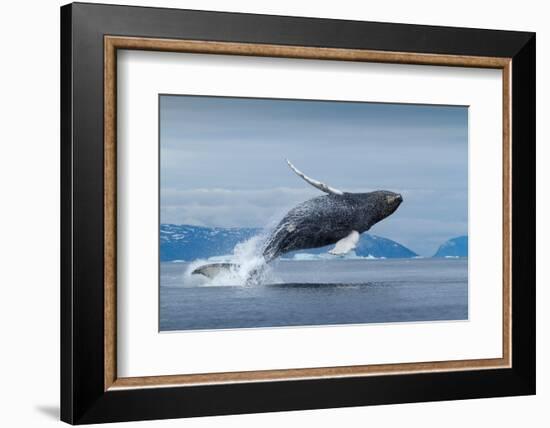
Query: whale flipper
<point>345,245</point>
<point>315,183</point>
<point>214,269</point>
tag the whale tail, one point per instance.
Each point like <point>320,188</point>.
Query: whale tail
<point>214,269</point>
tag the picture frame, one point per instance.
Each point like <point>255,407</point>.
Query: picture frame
<point>91,390</point>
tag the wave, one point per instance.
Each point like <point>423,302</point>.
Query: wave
<point>249,267</point>
<point>324,285</point>
<point>327,256</point>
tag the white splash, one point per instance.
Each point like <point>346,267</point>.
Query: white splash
<point>249,267</point>
<point>329,256</point>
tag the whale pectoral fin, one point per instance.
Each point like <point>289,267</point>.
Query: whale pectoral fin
<point>317,184</point>
<point>347,244</point>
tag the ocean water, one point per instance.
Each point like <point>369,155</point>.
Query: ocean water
<point>318,292</point>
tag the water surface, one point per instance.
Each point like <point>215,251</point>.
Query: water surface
<point>319,292</point>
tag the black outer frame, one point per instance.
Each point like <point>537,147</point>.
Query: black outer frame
<point>83,399</point>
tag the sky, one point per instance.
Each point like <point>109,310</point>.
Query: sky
<point>222,161</point>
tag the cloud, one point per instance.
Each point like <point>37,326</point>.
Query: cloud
<point>230,208</point>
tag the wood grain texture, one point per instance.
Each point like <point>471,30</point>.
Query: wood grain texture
<point>301,52</point>
<point>112,43</point>
<point>110,221</point>
<point>507,213</point>
<point>307,373</point>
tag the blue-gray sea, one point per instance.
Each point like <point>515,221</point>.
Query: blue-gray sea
<point>319,292</point>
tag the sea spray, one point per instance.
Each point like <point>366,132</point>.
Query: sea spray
<point>248,266</point>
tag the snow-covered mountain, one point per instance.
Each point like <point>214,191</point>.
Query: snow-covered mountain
<point>455,247</point>
<point>186,242</point>
<point>369,246</point>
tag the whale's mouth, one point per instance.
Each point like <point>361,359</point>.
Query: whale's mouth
<point>394,199</point>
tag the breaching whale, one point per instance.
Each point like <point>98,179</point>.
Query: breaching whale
<point>335,218</point>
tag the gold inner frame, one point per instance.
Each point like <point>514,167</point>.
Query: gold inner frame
<point>113,43</point>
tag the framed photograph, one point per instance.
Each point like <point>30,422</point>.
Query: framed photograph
<point>266,213</point>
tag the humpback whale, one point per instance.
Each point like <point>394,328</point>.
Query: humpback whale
<point>336,218</point>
